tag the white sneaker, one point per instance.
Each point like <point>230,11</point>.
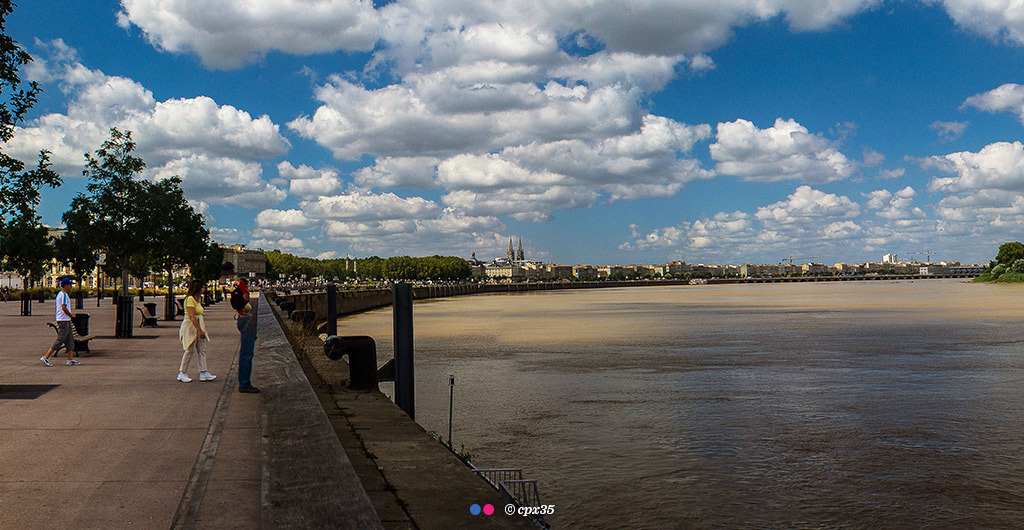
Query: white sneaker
<point>73,362</point>
<point>45,361</point>
<point>206,376</point>
<point>184,378</point>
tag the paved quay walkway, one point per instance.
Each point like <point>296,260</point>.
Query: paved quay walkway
<point>120,443</point>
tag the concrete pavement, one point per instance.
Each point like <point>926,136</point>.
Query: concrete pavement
<point>121,443</point>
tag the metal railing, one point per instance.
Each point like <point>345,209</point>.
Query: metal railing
<point>496,475</point>
<point>524,492</point>
<point>510,483</point>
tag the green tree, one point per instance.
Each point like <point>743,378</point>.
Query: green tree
<point>1010,252</point>
<point>179,235</point>
<point>400,268</point>
<point>15,102</point>
<point>26,246</point>
<point>77,247</point>
<point>208,267</point>
<point>114,202</point>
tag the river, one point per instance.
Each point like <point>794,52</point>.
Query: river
<point>840,405</point>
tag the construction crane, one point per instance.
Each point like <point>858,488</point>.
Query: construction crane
<point>927,253</point>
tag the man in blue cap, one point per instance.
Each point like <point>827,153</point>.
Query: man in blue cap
<point>63,315</point>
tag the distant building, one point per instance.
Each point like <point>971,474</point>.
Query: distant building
<point>247,261</point>
<point>584,272</point>
<point>890,258</point>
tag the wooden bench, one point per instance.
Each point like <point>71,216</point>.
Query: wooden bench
<point>81,343</point>
<point>148,319</point>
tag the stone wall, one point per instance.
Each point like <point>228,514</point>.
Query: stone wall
<point>355,301</point>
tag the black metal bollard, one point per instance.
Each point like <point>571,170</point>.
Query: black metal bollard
<point>332,309</point>
<point>362,359</point>
<point>405,394</point>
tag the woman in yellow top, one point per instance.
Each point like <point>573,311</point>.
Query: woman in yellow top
<point>193,333</point>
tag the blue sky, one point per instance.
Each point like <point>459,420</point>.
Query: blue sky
<point>597,131</point>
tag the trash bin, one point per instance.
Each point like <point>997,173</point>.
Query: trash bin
<point>151,307</point>
<point>81,323</point>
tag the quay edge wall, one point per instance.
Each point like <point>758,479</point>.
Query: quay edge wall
<point>349,302</point>
<point>355,301</point>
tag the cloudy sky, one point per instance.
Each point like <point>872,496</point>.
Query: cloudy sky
<point>600,131</point>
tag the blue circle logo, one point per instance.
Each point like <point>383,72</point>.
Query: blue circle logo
<point>475,509</point>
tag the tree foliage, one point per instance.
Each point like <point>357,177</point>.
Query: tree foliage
<point>178,235</point>
<point>449,268</point>
<point>23,242</point>
<point>77,247</point>
<point>114,201</point>
<point>1010,252</point>
<point>209,265</point>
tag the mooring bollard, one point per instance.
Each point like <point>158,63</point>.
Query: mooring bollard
<point>306,318</point>
<point>362,359</point>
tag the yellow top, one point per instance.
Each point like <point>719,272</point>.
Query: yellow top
<point>196,306</point>
<point>188,333</point>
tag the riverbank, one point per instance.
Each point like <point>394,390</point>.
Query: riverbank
<point>412,480</point>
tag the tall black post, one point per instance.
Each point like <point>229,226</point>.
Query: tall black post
<point>332,309</point>
<point>26,300</point>
<point>405,396</point>
<point>451,406</point>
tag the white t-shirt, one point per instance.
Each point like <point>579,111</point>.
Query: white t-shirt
<point>62,299</point>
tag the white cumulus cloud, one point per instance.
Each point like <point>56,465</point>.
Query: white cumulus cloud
<point>784,151</point>
<point>228,33</point>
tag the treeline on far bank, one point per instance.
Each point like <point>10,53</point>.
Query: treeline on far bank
<point>283,266</point>
<point>1008,267</point>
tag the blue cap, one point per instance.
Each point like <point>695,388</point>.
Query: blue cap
<point>66,281</point>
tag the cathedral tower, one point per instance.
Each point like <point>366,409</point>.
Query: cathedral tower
<point>519,253</point>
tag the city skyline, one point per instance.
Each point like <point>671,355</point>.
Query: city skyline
<point>672,130</point>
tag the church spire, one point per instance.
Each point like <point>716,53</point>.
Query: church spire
<point>519,253</point>
<point>510,254</point>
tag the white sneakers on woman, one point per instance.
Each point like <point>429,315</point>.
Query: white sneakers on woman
<point>203,376</point>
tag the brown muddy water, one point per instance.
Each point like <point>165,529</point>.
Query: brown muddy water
<point>831,405</point>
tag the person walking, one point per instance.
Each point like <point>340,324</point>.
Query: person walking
<point>65,335</point>
<point>6,293</point>
<point>192,334</point>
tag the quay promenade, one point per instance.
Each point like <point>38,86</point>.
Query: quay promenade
<point>120,443</point>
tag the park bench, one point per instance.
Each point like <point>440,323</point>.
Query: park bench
<point>148,319</point>
<point>81,343</point>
